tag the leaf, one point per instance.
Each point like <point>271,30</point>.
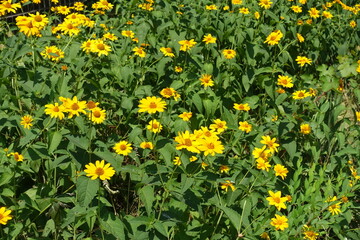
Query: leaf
<point>112,224</point>
<point>86,190</point>
<point>290,148</point>
<point>81,142</point>
<point>147,197</point>
<point>54,142</point>
<point>234,217</point>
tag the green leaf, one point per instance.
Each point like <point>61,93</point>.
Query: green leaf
<point>81,142</point>
<point>147,197</point>
<point>86,190</point>
<point>55,139</point>
<point>234,217</point>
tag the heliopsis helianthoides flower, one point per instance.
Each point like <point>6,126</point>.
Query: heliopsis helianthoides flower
<point>280,90</point>
<point>185,116</point>
<point>245,126</point>
<point>167,52</point>
<point>168,93</point>
<point>206,80</point>
<point>334,209</point>
<point>74,107</point>
<point>26,26</point>
<point>265,4</point>
<point>276,200</point>
<point>69,28</point>
<point>147,145</point>
<point>305,128</point>
<point>265,236</point>
<point>64,10</point>
<point>352,24</point>
<point>204,132</point>
<point>178,69</point>
<point>296,9</point>
<point>285,81</point>
<point>270,143</point>
<point>154,126</point>
<point>91,105</point>
<point>218,125</point>
<point>110,36</point>
<point>244,10</point>
<point>193,159</point>
<point>242,106</point>
<point>224,169</point>
<point>6,7</point>
<point>302,1</point>
<point>100,47</point>
<point>229,53</point>
<point>228,184</point>
<point>188,141</point>
<point>327,14</point>
<point>128,33</point>
<point>303,60</point>
<point>300,37</point>
<point>55,111</point>
<point>309,234</point>
<point>211,7</point>
<point>236,2</point>
<point>5,215</point>
<point>357,116</point>
<point>99,170</point>
<point>26,121</point>
<point>274,37</point>
<point>209,39</point>
<point>263,164</point>
<point>139,51</point>
<point>102,5</point>
<point>257,15</point>
<point>123,148</point>
<point>79,6</point>
<point>177,161</point>
<point>279,222</point>
<point>97,115</point>
<point>301,94</point>
<point>39,20</point>
<point>152,105</point>
<point>281,171</point>
<point>186,45</point>
<point>262,153</point>
<point>210,145</point>
<point>18,157</point>
<point>53,53</point>
<point>314,13</point>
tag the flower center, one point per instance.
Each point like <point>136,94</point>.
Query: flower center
<point>211,146</point>
<point>123,147</point>
<point>101,46</point>
<point>188,142</point>
<point>152,105</point>
<point>38,18</point>
<point>56,109</point>
<point>97,114</point>
<point>75,106</point>
<point>99,171</point>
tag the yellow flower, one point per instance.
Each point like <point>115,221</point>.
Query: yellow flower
<point>55,111</point>
<point>177,161</point>
<point>224,169</point>
<point>123,148</point>
<point>245,126</point>
<point>187,141</point>
<point>110,36</point>
<point>300,37</point>
<point>302,1</point>
<point>97,115</point>
<point>5,215</point>
<point>218,125</point>
<point>274,37</point>
<point>152,105</point>
<point>310,235</point>
<point>211,7</point>
<point>242,107</point>
<point>53,53</point>
<point>301,94</point>
<point>209,39</point>
<point>39,20</point>
<point>74,107</point>
<point>263,164</point>
<point>193,159</point>
<point>99,170</point>
<point>265,4</point>
<point>229,53</point>
<point>228,184</point>
<point>6,7</point>
<point>69,27</point>
<point>187,44</point>
<point>335,208</point>
<point>257,15</point>
<point>296,9</point>
<point>210,145</point>
<point>128,33</point>
<point>305,128</point>
<point>270,143</point>
<point>147,145</point>
<point>276,200</point>
<point>167,52</point>
<point>154,126</point>
<point>352,24</point>
<point>26,121</point>
<point>236,2</point>
<point>281,171</point>
<point>18,157</point>
<point>285,81</point>
<point>279,222</point>
<point>327,14</point>
<point>98,46</point>
<point>357,116</point>
<point>185,116</point>
<point>139,51</point>
<point>168,92</point>
<point>26,26</point>
<point>265,235</point>
<point>244,10</point>
<point>204,165</point>
<point>314,13</point>
<point>206,80</point>
<point>178,69</point>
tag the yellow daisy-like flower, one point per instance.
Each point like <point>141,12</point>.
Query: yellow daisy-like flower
<point>167,52</point>
<point>178,69</point>
<point>152,105</point>
<point>53,53</point>
<point>242,107</point>
<point>236,2</point>
<point>123,148</point>
<point>303,60</point>
<point>228,184</point>
<point>314,13</point>
<point>110,36</point>
<point>187,44</point>
<point>270,143</point>
<point>26,121</point>
<point>352,24</point>
<point>245,126</point>
<point>265,4</point>
<point>327,14</point>
<point>244,10</point>
<point>18,157</point>
<point>262,153</point>
<point>193,159</point>
<point>309,233</point>
<point>218,125</point>
<point>74,107</point>
<point>5,215</point>
<point>301,94</point>
<point>185,116</point>
<point>98,46</point>
<point>99,170</point>
<point>257,15</point>
<point>97,115</point>
<point>177,161</point>
<point>139,51</point>
<point>187,141</point>
<point>276,200</point>
<point>285,81</point>
<point>300,37</point>
<point>274,37</point>
<point>154,126</point>
<point>55,111</point>
<point>168,92</point>
<point>211,7</point>
<point>210,146</point>
<point>296,9</point>
<point>335,208</point>
<point>263,164</point>
<point>281,171</point>
<point>279,222</point>
<point>209,39</point>
<point>224,169</point>
<point>147,145</point>
<point>206,80</point>
<point>128,33</point>
<point>229,53</point>
<point>305,128</point>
